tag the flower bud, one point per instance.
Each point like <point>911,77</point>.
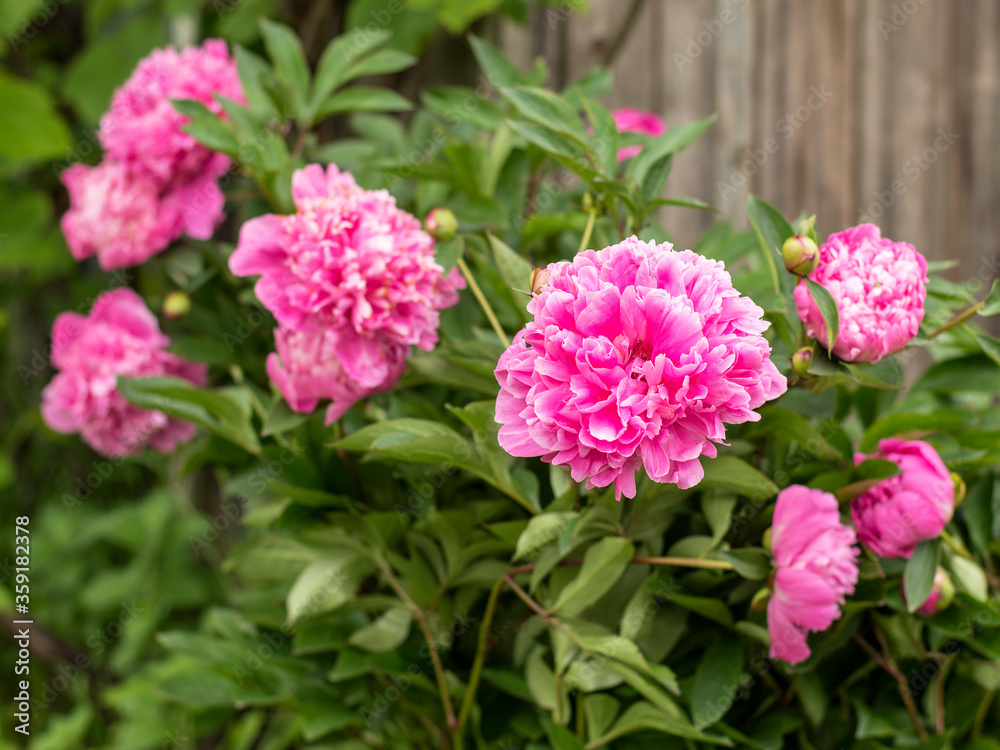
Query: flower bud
<point>959,487</point>
<point>802,360</point>
<point>176,305</point>
<point>800,254</point>
<point>766,541</point>
<point>441,224</point>
<point>760,599</point>
<point>588,201</point>
<point>539,278</point>
<point>941,596</point>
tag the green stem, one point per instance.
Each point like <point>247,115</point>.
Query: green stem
<point>483,303</point>
<point>591,217</point>
<point>480,658</point>
<point>951,542</point>
<point>958,319</point>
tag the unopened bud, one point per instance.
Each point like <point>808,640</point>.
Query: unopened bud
<point>802,360</point>
<point>176,305</point>
<point>587,202</point>
<point>539,278</point>
<point>760,599</point>
<point>959,487</point>
<point>441,224</point>
<point>800,254</point>
<point>766,541</point>
<point>941,596</point>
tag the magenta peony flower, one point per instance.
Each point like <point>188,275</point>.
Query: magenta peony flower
<point>352,266</point>
<point>124,216</point>
<point>636,121</point>
<point>814,554</point>
<point>638,356</point>
<point>143,129</point>
<point>879,288</point>
<point>119,337</point>
<point>895,515</point>
<point>306,370</point>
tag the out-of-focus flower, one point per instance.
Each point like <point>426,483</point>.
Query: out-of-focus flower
<point>814,554</point>
<point>143,128</point>
<point>125,217</point>
<point>636,121</point>
<point>879,287</point>
<point>441,224</point>
<point>348,262</point>
<point>306,370</point>
<point>637,356</point>
<point>895,515</point>
<point>120,336</point>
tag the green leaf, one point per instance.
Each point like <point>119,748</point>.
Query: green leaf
<point>327,583</point>
<point>736,475</point>
<point>772,230</point>
<point>991,304</point>
<point>712,609</point>
<point>876,468</point>
<point>382,62</point>
<point>285,50</point>
<point>970,578</point>
<point>749,563</point>
<point>280,418</point>
<point>387,633</point>
<point>547,140</point>
<point>643,717</point>
<point>560,737</point>
<point>254,71</point>
<point>918,575</point>
<point>363,99</point>
<point>340,56</point>
<point>662,147</point>
<point>605,138</point>
<point>827,308</point>
<point>896,424</point>
<point>225,412</point>
<point>498,69</point>
<point>515,270</point>
<point>716,680</point>
<point>541,531</point>
<point>366,438</point>
<point>30,128</point>
<point>603,565</point>
<point>718,511</point>
<point>548,110</point>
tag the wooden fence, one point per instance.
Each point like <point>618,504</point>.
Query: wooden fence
<point>888,109</point>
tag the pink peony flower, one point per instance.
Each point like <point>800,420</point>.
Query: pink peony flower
<point>638,356</point>
<point>879,288</point>
<point>814,554</point>
<point>143,129</point>
<point>351,265</point>
<point>895,515</point>
<point>306,370</point>
<point>636,121</point>
<point>124,216</point>
<point>119,337</point>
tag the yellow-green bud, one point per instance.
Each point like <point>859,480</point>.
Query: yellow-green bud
<point>800,254</point>
<point>441,224</point>
<point>539,278</point>
<point>766,541</point>
<point>760,599</point>
<point>959,487</point>
<point>176,305</point>
<point>801,361</point>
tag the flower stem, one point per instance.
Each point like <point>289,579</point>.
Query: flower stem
<point>480,658</point>
<point>591,218</point>
<point>483,302</point>
<point>958,319</point>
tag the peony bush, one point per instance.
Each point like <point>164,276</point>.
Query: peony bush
<point>530,473</point>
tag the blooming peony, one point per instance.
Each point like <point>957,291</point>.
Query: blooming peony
<point>637,357</point>
<point>636,121</point>
<point>895,515</point>
<point>879,286</point>
<point>814,554</point>
<point>124,217</point>
<point>352,266</point>
<point>306,370</point>
<point>143,128</point>
<point>119,337</point>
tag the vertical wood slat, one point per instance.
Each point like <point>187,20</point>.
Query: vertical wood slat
<point>899,73</point>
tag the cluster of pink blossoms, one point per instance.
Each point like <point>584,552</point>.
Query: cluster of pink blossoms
<point>879,287</point>
<point>156,181</point>
<point>638,356</point>
<point>353,283</point>
<point>120,336</point>
<point>814,552</point>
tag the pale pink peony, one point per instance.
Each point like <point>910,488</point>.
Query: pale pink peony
<point>306,370</point>
<point>814,554</point>
<point>638,356</point>
<point>351,265</point>
<point>879,287</point>
<point>119,337</point>
<point>895,515</point>
<point>143,129</point>
<point>636,121</point>
<point>124,216</point>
